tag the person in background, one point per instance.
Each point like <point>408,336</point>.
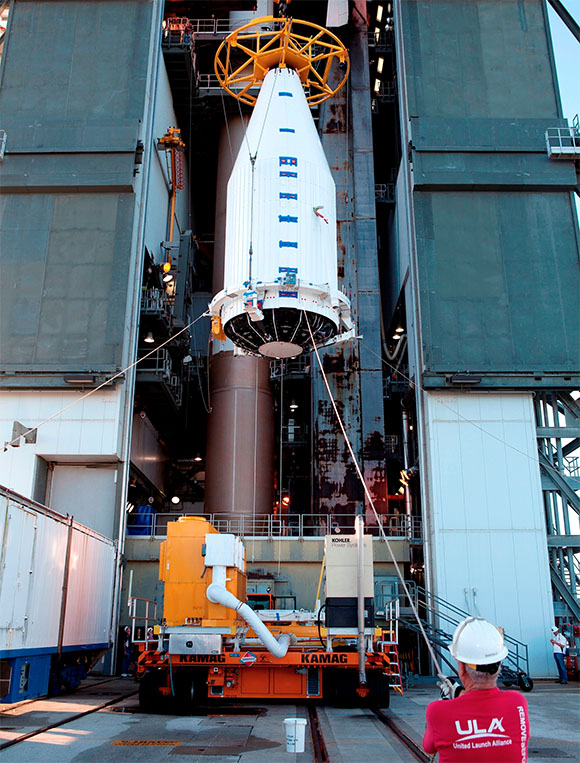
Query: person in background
<point>126,665</point>
<point>560,644</point>
<point>477,722</point>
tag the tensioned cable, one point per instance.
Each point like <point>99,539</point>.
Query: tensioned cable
<point>103,384</point>
<point>461,416</point>
<point>227,126</point>
<point>372,505</point>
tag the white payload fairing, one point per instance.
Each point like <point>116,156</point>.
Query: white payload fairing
<point>280,277</point>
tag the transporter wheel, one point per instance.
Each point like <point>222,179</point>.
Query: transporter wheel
<point>379,688</point>
<point>150,699</point>
<point>525,682</point>
<point>190,688</point>
<point>330,685</point>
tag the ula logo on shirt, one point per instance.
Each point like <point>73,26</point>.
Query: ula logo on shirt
<point>473,729</point>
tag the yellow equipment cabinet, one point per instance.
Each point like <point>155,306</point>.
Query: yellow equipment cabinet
<point>182,569</point>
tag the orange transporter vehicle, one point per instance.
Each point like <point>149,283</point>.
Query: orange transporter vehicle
<point>212,645</point>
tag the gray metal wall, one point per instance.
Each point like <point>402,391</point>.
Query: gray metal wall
<point>354,368</point>
<point>72,95</point>
<point>496,231</point>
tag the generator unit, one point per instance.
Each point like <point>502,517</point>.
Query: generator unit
<point>212,646</point>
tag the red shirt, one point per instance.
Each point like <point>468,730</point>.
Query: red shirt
<point>480,725</point>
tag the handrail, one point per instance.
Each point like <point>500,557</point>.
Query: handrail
<point>146,618</point>
<point>270,526</point>
<point>563,141</point>
<point>436,607</point>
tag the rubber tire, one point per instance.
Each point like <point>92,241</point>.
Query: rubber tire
<point>330,681</point>
<point>525,682</point>
<point>190,685</point>
<point>379,688</point>
<point>150,699</point>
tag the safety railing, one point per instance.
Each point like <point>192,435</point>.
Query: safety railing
<point>387,92</point>
<point>385,192</point>
<point>142,616</point>
<point>270,526</point>
<point>210,83</point>
<point>159,363</point>
<point>182,31</point>
<point>441,619</point>
<point>563,142</point>
<point>391,613</point>
<point>382,41</point>
<point>570,465</point>
<point>155,302</point>
<point>294,434</point>
<point>299,366</point>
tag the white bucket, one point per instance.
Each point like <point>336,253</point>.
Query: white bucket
<point>295,730</point>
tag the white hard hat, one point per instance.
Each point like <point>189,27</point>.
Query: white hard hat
<point>554,629</point>
<point>477,642</point>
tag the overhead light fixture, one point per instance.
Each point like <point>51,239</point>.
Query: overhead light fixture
<point>167,277</point>
<point>377,86</point>
<point>379,12</point>
<point>396,336</point>
<point>176,499</point>
<point>293,405</point>
<point>149,338</point>
<point>380,64</point>
<point>465,378</point>
<point>79,379</point>
<point>399,329</point>
<point>198,458</point>
<point>285,500</point>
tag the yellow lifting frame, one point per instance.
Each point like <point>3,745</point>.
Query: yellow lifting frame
<point>248,53</point>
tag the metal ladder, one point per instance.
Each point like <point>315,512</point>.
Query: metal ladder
<point>395,681</point>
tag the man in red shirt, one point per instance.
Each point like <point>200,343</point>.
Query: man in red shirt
<point>481,723</point>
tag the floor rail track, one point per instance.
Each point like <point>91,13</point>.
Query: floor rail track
<point>409,743</point>
<point>318,744</point>
<point>63,721</point>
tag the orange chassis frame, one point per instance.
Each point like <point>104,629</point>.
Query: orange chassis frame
<point>255,673</point>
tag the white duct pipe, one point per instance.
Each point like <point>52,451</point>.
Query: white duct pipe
<point>217,593</point>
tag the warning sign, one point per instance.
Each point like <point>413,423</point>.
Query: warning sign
<point>248,659</point>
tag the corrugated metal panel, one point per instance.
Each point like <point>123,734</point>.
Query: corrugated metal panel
<point>65,265</point>
<point>488,59</point>
<point>487,534</point>
<point>496,235</point>
<point>73,92</point>
<point>34,551</point>
<point>499,277</point>
<point>90,591</point>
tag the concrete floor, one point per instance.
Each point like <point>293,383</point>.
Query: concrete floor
<point>254,731</point>
<point>554,712</point>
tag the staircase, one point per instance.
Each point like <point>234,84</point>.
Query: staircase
<point>440,618</point>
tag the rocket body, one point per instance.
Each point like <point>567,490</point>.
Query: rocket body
<point>280,274</point>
